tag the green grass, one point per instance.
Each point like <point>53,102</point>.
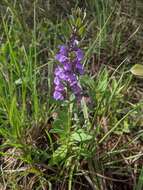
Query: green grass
<point>46,144</point>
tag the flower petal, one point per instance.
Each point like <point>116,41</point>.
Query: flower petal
<point>79,54</point>
<point>59,88</point>
<point>61,58</point>
<point>63,50</point>
<point>57,81</point>
<point>79,68</point>
<point>58,96</point>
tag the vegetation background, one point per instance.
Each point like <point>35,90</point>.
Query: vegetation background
<point>46,144</point>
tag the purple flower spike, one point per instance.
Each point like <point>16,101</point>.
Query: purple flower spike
<point>70,58</point>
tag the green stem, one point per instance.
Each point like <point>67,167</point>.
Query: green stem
<point>70,177</point>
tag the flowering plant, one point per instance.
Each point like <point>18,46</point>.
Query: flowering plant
<point>66,74</point>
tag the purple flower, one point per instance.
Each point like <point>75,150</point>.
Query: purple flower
<point>58,71</point>
<point>79,54</point>
<point>76,89</point>
<point>59,88</point>
<point>67,66</point>
<point>61,58</point>
<point>66,73</point>
<point>72,79</point>
<point>58,96</point>
<point>56,81</point>
<point>63,50</point>
<point>79,68</point>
